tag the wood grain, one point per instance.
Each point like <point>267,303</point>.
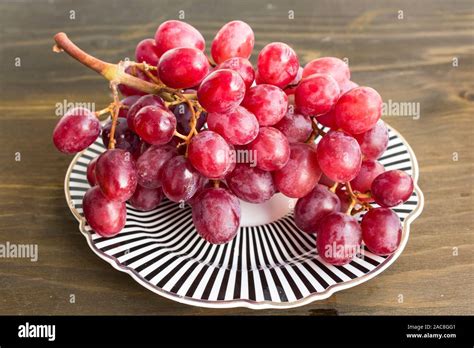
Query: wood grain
<point>406,60</point>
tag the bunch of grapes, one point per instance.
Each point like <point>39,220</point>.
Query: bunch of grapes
<point>180,141</point>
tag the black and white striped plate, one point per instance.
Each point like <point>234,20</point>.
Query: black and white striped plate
<point>268,265</point>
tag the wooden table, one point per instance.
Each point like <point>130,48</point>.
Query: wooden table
<point>407,59</point>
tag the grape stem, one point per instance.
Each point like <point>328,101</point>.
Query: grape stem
<point>116,109</point>
<point>334,187</point>
<point>314,133</point>
<point>355,199</point>
<point>116,74</point>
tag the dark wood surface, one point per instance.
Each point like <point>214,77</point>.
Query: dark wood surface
<point>406,60</point>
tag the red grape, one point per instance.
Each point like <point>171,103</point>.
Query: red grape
<point>91,179</point>
<point>172,34</point>
<point>268,103</point>
<point>310,209</point>
<point>147,100</point>
<point>127,103</point>
<point>299,176</point>
<point>76,130</point>
<point>216,215</point>
<point>335,67</point>
<point>339,238</point>
<point>348,86</point>
<point>374,142</point>
<point>155,125</point>
<point>295,126</point>
<point>277,64</point>
<point>146,51</point>
<point>316,94</point>
<point>369,170</point>
<point>234,39</point>
<point>344,198</point>
<point>221,91</point>
<point>106,217</point>
<point>136,72</point>
<point>209,153</point>
<point>183,115</point>
<point>392,188</point>
<point>145,199</point>
<point>183,67</point>
<point>124,137</point>
<point>179,180</point>
<point>339,156</point>
<point>271,148</point>
<point>251,184</point>
<point>326,181</point>
<point>381,231</point>
<point>298,77</point>
<point>358,110</point>
<point>116,174</point>
<point>238,127</point>
<point>241,66</point>
<point>328,120</point>
<point>151,164</point>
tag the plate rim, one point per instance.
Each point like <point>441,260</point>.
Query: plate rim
<point>236,303</point>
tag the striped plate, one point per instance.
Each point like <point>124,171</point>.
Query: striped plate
<point>270,265</point>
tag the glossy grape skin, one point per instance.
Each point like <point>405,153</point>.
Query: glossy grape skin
<point>106,217</point>
<point>268,103</point>
<point>374,142</point>
<point>179,179</point>
<point>173,34</point>
<point>134,71</point>
<point>116,174</point>
<point>295,126</point>
<point>316,95</point>
<point>238,127</point>
<point>369,170</point>
<point>91,179</point>
<point>155,125</point>
<point>301,174</point>
<point>381,231</point>
<point>339,238</point>
<point>221,91</point>
<point>124,137</point>
<point>127,103</point>
<point>242,66</point>
<point>146,51</point>
<point>76,130</point>
<point>358,110</point>
<point>151,164</point>
<point>183,116</point>
<point>298,77</point>
<point>277,64</point>
<point>271,148</point>
<point>209,153</point>
<point>310,209</point>
<point>339,156</point>
<point>348,86</point>
<point>392,188</point>
<point>328,120</point>
<point>335,67</point>
<point>234,39</point>
<point>146,100</point>
<point>145,199</point>
<point>251,184</point>
<point>216,215</point>
<point>344,198</point>
<point>183,67</point>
